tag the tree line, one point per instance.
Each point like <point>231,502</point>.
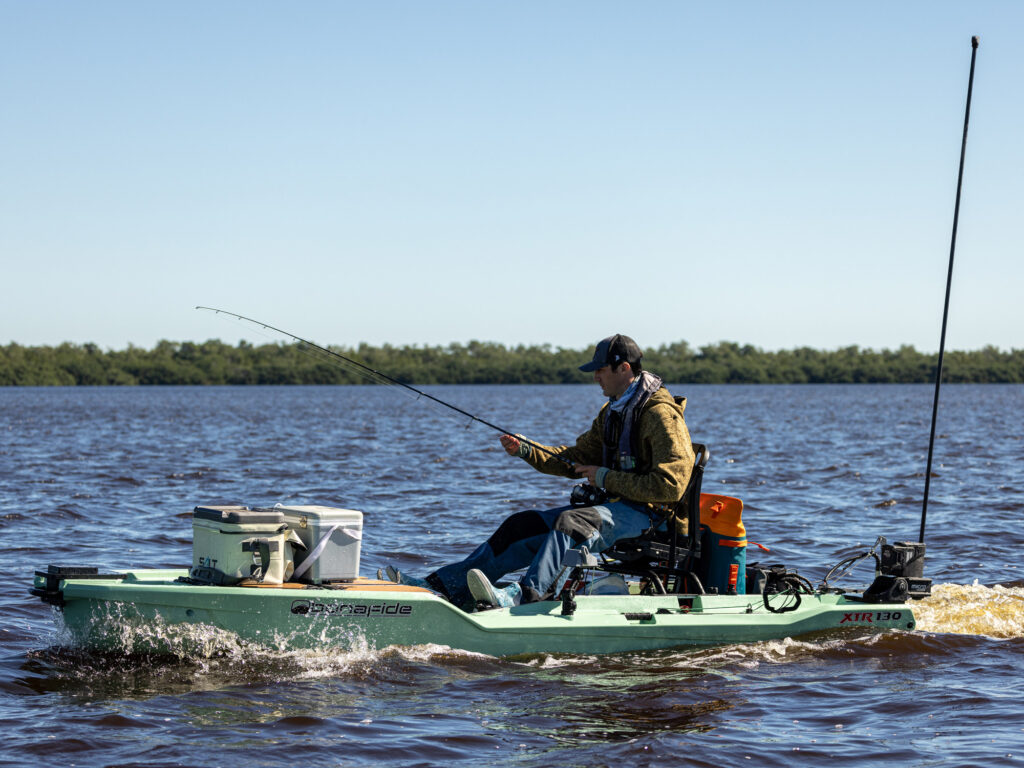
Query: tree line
<point>214,362</point>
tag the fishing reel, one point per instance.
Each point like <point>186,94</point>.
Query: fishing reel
<point>587,496</point>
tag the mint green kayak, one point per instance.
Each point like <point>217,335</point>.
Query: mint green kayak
<point>155,611</point>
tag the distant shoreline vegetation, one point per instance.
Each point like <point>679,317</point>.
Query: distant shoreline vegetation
<point>213,362</point>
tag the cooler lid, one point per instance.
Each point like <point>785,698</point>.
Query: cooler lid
<point>238,515</point>
<point>319,512</point>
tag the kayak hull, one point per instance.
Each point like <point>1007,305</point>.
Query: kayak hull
<point>152,612</point>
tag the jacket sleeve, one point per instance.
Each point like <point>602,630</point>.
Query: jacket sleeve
<point>586,451</point>
<point>666,440</point>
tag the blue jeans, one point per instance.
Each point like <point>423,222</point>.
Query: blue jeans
<point>538,540</point>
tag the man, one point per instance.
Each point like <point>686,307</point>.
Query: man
<point>637,450</point>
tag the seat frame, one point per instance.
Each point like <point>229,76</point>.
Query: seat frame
<point>669,565</point>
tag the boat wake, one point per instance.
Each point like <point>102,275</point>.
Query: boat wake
<point>973,609</point>
<point>204,656</point>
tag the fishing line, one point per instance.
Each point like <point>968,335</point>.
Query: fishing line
<point>318,354</point>
<point>381,378</point>
<point>321,354</point>
<point>367,376</point>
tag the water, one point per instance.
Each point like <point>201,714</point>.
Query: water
<point>108,477</point>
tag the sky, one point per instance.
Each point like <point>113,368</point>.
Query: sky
<point>779,174</point>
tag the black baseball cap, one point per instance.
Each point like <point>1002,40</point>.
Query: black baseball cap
<point>612,351</point>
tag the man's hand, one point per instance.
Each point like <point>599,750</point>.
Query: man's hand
<point>589,471</point>
<point>511,444</point>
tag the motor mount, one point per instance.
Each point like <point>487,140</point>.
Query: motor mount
<point>899,574</point>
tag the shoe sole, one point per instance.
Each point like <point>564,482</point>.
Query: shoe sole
<point>480,587</point>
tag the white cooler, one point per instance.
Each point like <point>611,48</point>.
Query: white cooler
<point>333,538</point>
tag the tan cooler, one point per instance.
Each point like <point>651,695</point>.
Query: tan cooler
<point>230,544</point>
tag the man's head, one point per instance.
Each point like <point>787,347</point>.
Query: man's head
<point>616,362</point>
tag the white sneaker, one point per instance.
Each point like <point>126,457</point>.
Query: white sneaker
<point>398,577</point>
<point>485,592</point>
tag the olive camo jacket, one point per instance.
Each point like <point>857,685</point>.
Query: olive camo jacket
<point>664,455</point>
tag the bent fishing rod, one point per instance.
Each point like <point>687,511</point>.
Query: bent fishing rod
<point>949,282</point>
<point>389,380</point>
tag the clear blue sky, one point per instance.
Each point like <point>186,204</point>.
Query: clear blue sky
<point>780,174</point>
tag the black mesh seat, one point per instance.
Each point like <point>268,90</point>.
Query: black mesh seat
<point>666,563</point>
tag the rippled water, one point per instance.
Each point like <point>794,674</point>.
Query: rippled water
<point>108,477</point>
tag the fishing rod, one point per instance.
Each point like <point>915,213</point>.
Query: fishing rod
<point>388,379</point>
<point>949,281</point>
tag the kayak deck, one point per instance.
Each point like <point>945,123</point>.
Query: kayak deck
<point>150,610</point>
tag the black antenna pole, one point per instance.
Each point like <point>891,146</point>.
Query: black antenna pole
<point>949,281</point>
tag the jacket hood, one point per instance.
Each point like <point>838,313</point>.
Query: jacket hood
<point>663,397</point>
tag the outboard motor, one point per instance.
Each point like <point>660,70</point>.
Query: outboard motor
<point>899,574</point>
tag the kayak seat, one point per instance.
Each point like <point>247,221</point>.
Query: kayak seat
<point>664,559</point>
